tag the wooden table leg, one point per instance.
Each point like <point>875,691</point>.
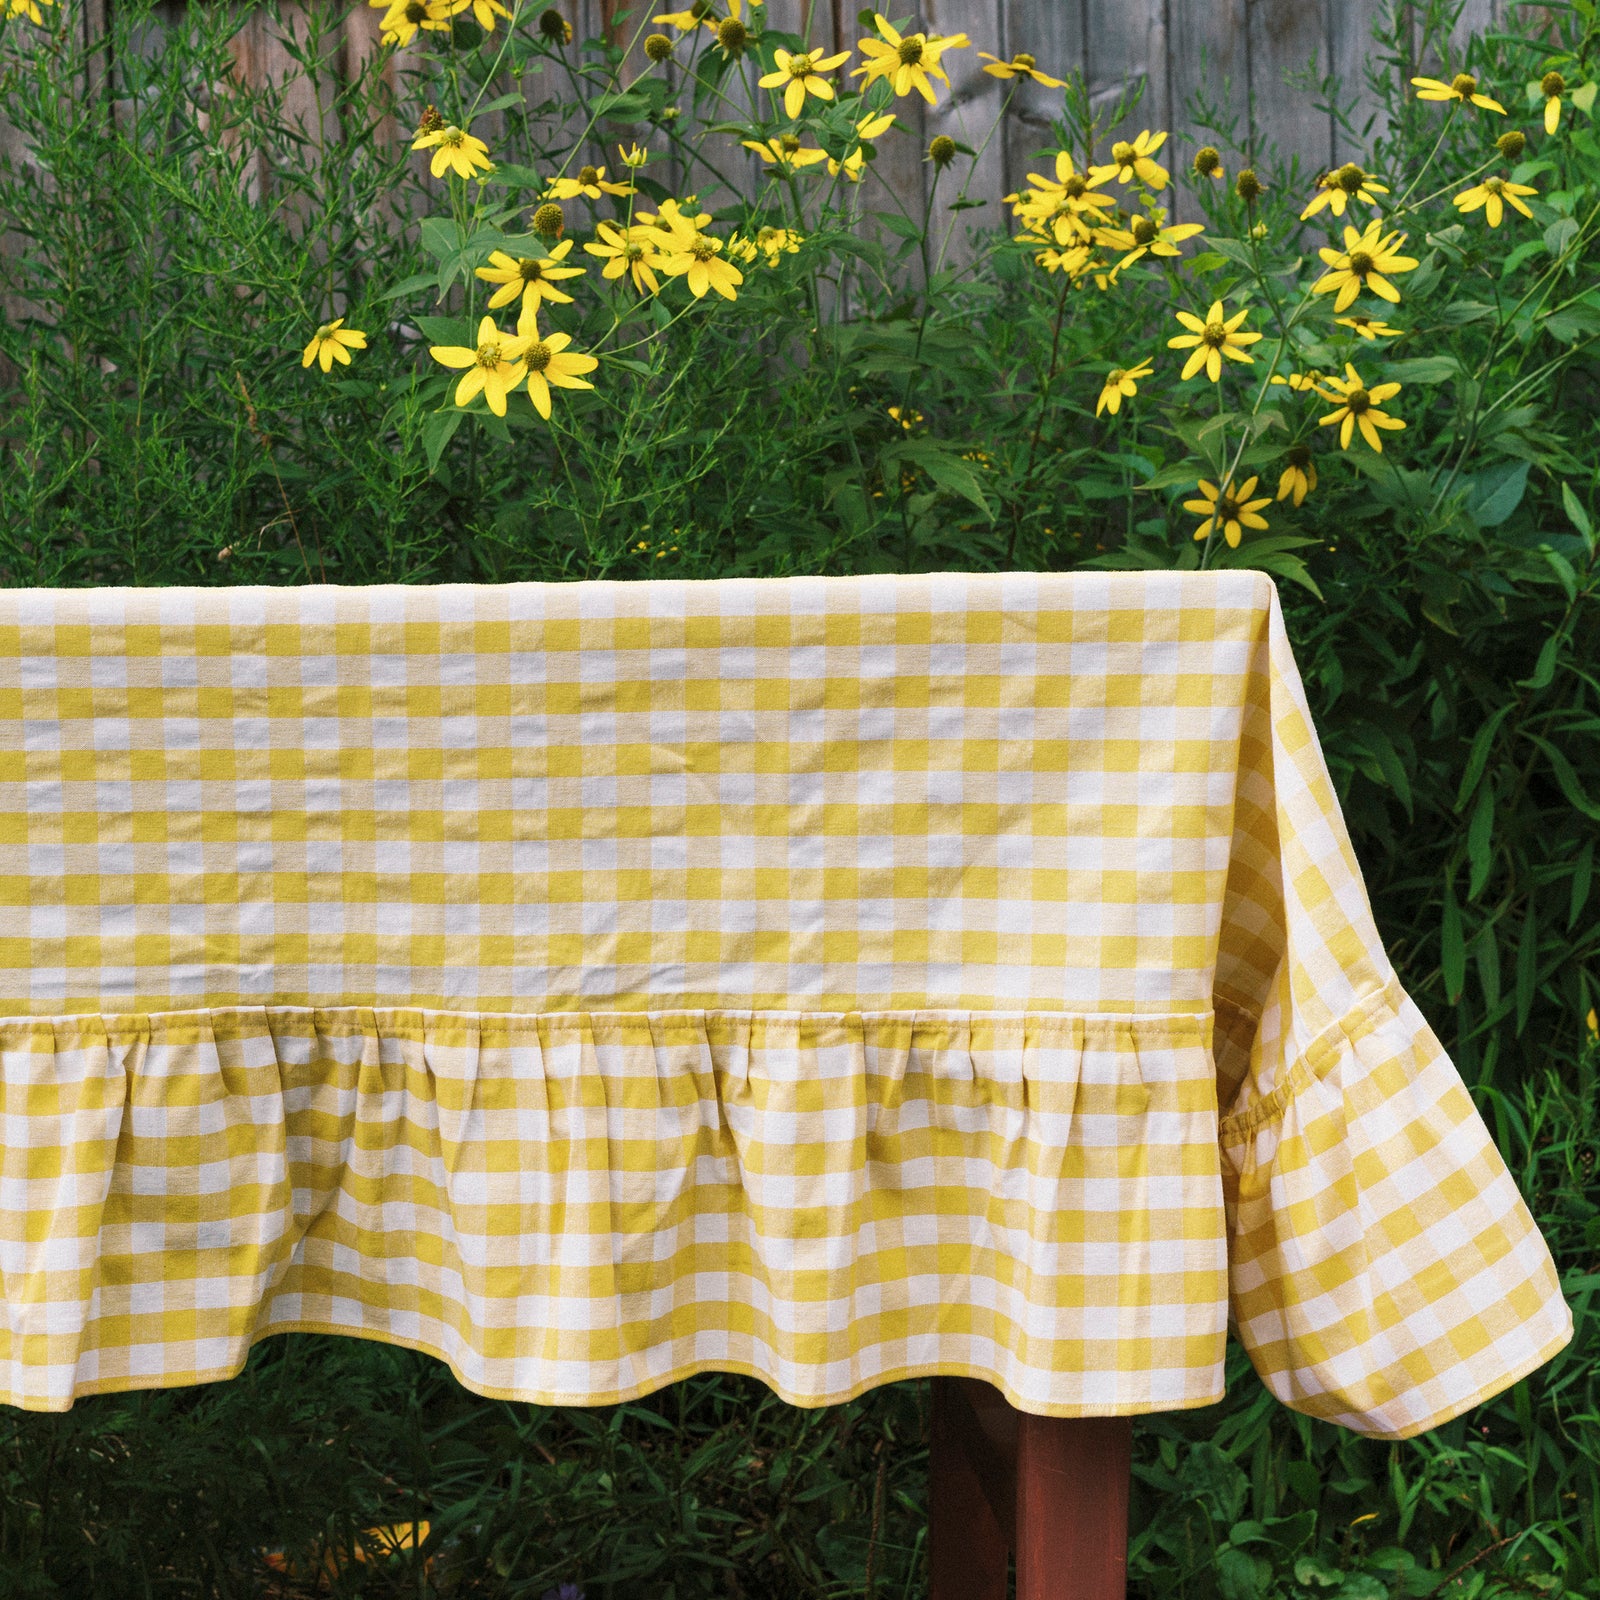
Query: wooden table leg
<point>1052,1489</point>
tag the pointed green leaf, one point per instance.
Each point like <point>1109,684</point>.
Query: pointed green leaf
<point>1480,837</point>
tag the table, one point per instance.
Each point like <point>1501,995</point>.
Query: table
<point>835,980</point>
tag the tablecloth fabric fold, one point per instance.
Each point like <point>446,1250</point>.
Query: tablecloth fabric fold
<point>834,980</point>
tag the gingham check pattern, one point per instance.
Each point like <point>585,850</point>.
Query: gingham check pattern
<point>834,980</point>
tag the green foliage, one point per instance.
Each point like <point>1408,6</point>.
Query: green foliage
<point>175,240</point>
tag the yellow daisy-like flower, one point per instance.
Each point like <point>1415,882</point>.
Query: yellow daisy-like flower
<point>1339,187</point>
<point>1067,203</point>
<point>1211,340</point>
<point>400,22</point>
<point>633,250</point>
<point>1592,1023</point>
<point>693,255</point>
<point>1370,327</point>
<point>531,279</point>
<point>28,9</point>
<point>1020,65</point>
<point>494,366</point>
<point>632,156</point>
<point>333,342</point>
<point>786,151</point>
<point>800,75</point>
<point>486,11</point>
<point>1147,235</point>
<point>775,242</point>
<point>1074,261</point>
<point>1121,381</point>
<point>906,62</point>
<point>1494,194</point>
<point>1358,408</point>
<point>455,150</point>
<point>549,362</point>
<point>1463,88</point>
<point>874,125</point>
<point>591,183</point>
<point>1232,510</point>
<point>1299,473</point>
<point>1366,257</point>
<point>672,219</point>
<point>700,15</point>
<point>1130,161</point>
<point>1552,86</point>
<point>1299,382</point>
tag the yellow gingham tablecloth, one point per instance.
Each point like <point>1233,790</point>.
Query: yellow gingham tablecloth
<point>835,980</point>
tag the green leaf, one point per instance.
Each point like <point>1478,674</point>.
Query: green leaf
<point>438,431</point>
<point>515,177</point>
<point>1577,516</point>
<point>1207,261</point>
<point>447,330</point>
<point>1567,778</point>
<point>420,280</point>
<point>947,470</point>
<point>1523,252</point>
<point>1559,235</point>
<point>1184,472</point>
<point>1583,98</point>
<point>499,104</point>
<point>1545,668</point>
<point>1494,494</point>
<point>1480,838</point>
<point>1582,879</point>
<point>1235,250</point>
<point>1452,947</point>
<point>1361,1586</point>
<point>624,107</point>
<point>895,223</point>
<point>441,238</point>
<point>1527,965</point>
<point>1479,754</point>
<point>1309,1570</point>
<point>1423,369</point>
<point>1242,1576</point>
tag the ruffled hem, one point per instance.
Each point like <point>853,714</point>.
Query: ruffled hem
<point>1385,1272</point>
<point>587,1204</point>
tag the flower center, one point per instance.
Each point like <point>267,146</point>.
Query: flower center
<point>1494,185</point>
<point>1115,376</point>
<point>1361,263</point>
<point>789,143</point>
<point>1024,61</point>
<point>538,356</point>
<point>1357,401</point>
<point>1216,334</point>
<point>1144,230</point>
<point>1552,84</point>
<point>702,248</point>
<point>633,252</point>
<point>532,271</point>
<point>1350,177</point>
<point>325,331</point>
<point>1075,187</point>
<point>489,354</point>
<point>1122,152</point>
<point>911,51</point>
<point>1299,457</point>
<point>589,175</point>
<point>1227,508</point>
<point>732,35</point>
<point>799,66</point>
<point>1464,84</point>
<point>416,12</point>
<point>453,137</point>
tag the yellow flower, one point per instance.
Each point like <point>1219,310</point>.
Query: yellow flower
<point>1019,66</point>
<point>28,9</point>
<point>590,182</point>
<point>1299,473</point>
<point>700,15</point>
<point>486,11</point>
<point>633,155</point>
<point>548,362</point>
<point>690,254</point>
<point>1366,257</point>
<point>531,279</point>
<point>799,73</point>
<point>907,419</point>
<point>1211,340</point>
<point>874,124</point>
<point>1339,187</point>
<point>673,219</point>
<point>400,22</point>
<point>1119,382</point>
<point>775,242</point>
<point>1067,202</point>
<point>332,342</point>
<point>1228,509</point>
<point>1492,194</point>
<point>632,250</point>
<point>1552,86</point>
<point>786,150</point>
<point>1359,408</point>
<point>1592,1023</point>
<point>495,365</point>
<point>455,150</point>
<point>1129,161</point>
<point>1148,235</point>
<point>1300,382</point>
<point>1370,327</point>
<point>906,62</point>
<point>1463,88</point>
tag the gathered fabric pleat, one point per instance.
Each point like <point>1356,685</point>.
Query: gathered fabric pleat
<point>577,1208</point>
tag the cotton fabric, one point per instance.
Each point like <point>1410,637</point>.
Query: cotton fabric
<point>834,980</point>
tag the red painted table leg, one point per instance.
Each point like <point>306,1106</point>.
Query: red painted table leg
<point>1052,1489</point>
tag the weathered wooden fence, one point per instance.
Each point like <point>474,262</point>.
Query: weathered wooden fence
<point>1237,54</point>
